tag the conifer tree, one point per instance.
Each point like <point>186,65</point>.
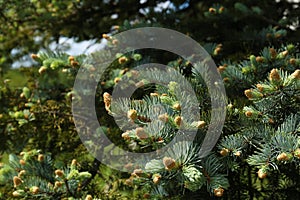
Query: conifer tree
<point>256,47</point>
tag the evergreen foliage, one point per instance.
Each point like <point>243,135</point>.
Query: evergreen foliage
<point>254,43</point>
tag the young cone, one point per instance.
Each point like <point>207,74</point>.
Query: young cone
<point>274,75</point>
<point>218,192</point>
<point>17,181</point>
<point>169,163</point>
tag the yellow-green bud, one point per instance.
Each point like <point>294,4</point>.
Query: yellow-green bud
<point>41,157</point>
<point>88,197</point>
<point>156,178</point>
<point>176,106</point>
<point>224,152</point>
<point>34,190</point>
<point>262,173</point>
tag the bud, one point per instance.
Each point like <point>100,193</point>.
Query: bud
<point>140,84</point>
<point>271,121</point>
<point>274,75</point>
<point>200,124</point>
<point>262,173</point>
<point>74,162</point>
<point>122,60</point>
<point>278,35</point>
<point>218,192</point>
<point>282,157</point>
<point>34,190</point>
<point>17,181</point>
<point>71,58</point>
<point>132,114</point>
<point>269,35</point>
<point>212,10</point>
<point>50,185</point>
<point>260,87</point>
<point>18,193</point>
<point>297,153</point>
<point>105,36</point>
<point>176,106</point>
<point>137,172</point>
<point>221,9</point>
<point>74,63</point>
<point>21,173</point>
<point>146,196</point>
<point>273,52</point>
<point>125,136</point>
<point>137,56</point>
<point>41,157</point>
<point>117,80</point>
<point>260,59</point>
<point>26,92</point>
<point>178,120</point>
<point>92,69</point>
<point>156,178</point>
<point>285,53</point>
<point>296,74</point>
<point>282,55</point>
<point>237,153</point>
<point>230,106</point>
<point>169,163</point>
<point>226,79</point>
<point>141,134</point>
<point>252,59</point>
<point>34,56</point>
<point>290,47</point>
<point>248,113</point>
<point>224,152</point>
<point>42,69</point>
<point>129,181</point>
<point>128,166</point>
<point>221,68</point>
<point>59,173</point>
<point>134,73</point>
<point>292,61</point>
<point>115,42</point>
<point>248,93</point>
<point>58,184</point>
<point>164,117</point>
<point>116,27</point>
<point>154,94</point>
<point>217,50</point>
<point>160,140</point>
<point>83,175</point>
<point>88,197</point>
<point>107,100</point>
<point>123,71</point>
<point>22,162</point>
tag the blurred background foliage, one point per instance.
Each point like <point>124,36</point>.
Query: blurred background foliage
<point>30,25</point>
